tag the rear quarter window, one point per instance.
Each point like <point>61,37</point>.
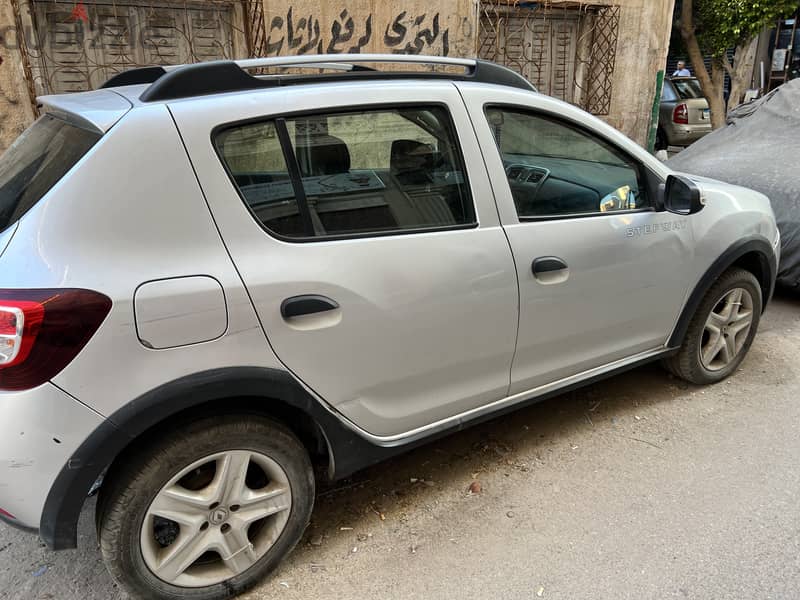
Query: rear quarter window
<point>36,161</point>
<point>688,89</point>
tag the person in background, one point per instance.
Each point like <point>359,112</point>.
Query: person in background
<point>682,70</point>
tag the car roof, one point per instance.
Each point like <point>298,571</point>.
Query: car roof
<point>102,108</point>
<point>185,81</point>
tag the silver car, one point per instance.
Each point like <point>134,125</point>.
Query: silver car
<point>214,282</point>
<point>684,115</point>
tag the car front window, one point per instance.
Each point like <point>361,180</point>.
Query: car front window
<point>555,169</point>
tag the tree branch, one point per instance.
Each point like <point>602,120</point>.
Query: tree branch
<point>726,64</point>
<point>692,45</point>
<point>687,21</point>
<point>712,89</point>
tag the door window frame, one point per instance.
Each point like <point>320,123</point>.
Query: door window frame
<point>646,178</point>
<point>668,93</point>
<point>291,163</point>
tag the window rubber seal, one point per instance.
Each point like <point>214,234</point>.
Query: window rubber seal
<point>294,174</point>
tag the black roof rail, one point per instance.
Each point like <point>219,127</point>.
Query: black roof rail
<point>135,77</point>
<point>185,81</point>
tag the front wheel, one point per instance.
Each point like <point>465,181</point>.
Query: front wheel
<point>721,331</point>
<point>207,510</point>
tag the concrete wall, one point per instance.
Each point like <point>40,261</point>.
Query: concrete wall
<point>412,26</point>
<point>419,26</point>
<point>449,27</point>
<point>16,111</point>
<point>644,32</point>
<point>645,29</point>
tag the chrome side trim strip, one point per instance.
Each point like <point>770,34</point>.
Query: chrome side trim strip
<point>509,401</point>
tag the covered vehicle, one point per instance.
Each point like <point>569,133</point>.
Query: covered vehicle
<point>759,149</point>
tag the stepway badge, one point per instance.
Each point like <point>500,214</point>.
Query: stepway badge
<point>656,228</point>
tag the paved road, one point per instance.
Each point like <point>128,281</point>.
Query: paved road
<point>637,487</point>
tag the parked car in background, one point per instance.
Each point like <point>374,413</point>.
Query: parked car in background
<point>213,281</point>
<point>684,116</point>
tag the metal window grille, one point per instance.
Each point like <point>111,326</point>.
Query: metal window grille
<point>566,49</point>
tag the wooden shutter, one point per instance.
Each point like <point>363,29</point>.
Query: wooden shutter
<point>76,56</point>
<point>563,52</point>
<point>541,47</point>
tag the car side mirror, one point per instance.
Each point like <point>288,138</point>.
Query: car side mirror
<point>682,196</point>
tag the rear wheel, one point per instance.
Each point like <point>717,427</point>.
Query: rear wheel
<point>661,140</point>
<point>207,511</point>
<point>721,331</point>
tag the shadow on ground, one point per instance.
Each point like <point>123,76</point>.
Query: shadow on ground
<point>516,441</point>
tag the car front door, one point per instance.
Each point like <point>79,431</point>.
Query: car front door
<point>369,241</point>
<point>602,274</point>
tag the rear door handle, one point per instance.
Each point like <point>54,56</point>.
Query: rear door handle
<point>549,270</point>
<point>297,306</point>
<point>548,264</point>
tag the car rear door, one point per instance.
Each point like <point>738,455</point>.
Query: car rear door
<point>363,225</point>
<point>602,275</point>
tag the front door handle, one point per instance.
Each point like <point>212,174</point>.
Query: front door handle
<point>297,306</point>
<point>549,270</point>
<point>548,264</point>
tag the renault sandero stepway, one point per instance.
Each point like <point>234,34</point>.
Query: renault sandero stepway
<point>218,285</point>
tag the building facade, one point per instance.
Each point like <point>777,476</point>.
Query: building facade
<point>778,54</point>
<point>602,55</point>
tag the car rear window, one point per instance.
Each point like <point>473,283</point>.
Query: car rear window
<point>377,171</point>
<point>36,161</point>
<point>688,88</point>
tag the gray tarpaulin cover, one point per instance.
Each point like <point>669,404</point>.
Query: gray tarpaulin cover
<point>759,149</point>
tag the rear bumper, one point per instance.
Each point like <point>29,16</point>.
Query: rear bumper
<point>683,135</point>
<point>39,431</point>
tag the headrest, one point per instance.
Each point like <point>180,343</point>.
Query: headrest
<point>409,155</point>
<point>328,155</point>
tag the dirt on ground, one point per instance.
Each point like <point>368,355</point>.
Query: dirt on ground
<point>637,487</point>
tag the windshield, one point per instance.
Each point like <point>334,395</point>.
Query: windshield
<point>688,88</point>
<point>36,161</point>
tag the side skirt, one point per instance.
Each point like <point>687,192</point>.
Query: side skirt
<point>350,448</point>
<point>374,449</point>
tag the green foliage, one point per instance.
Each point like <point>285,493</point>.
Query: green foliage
<point>723,24</point>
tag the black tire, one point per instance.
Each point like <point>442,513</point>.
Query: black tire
<point>661,140</point>
<point>130,489</point>
<point>687,363</point>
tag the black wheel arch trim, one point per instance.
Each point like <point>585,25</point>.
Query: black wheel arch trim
<point>58,524</point>
<point>348,450</point>
<point>752,244</point>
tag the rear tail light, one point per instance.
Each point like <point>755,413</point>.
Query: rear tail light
<point>681,114</point>
<point>19,325</point>
<point>41,331</point>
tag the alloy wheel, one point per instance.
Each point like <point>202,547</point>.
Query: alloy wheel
<point>216,518</point>
<point>726,329</point>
